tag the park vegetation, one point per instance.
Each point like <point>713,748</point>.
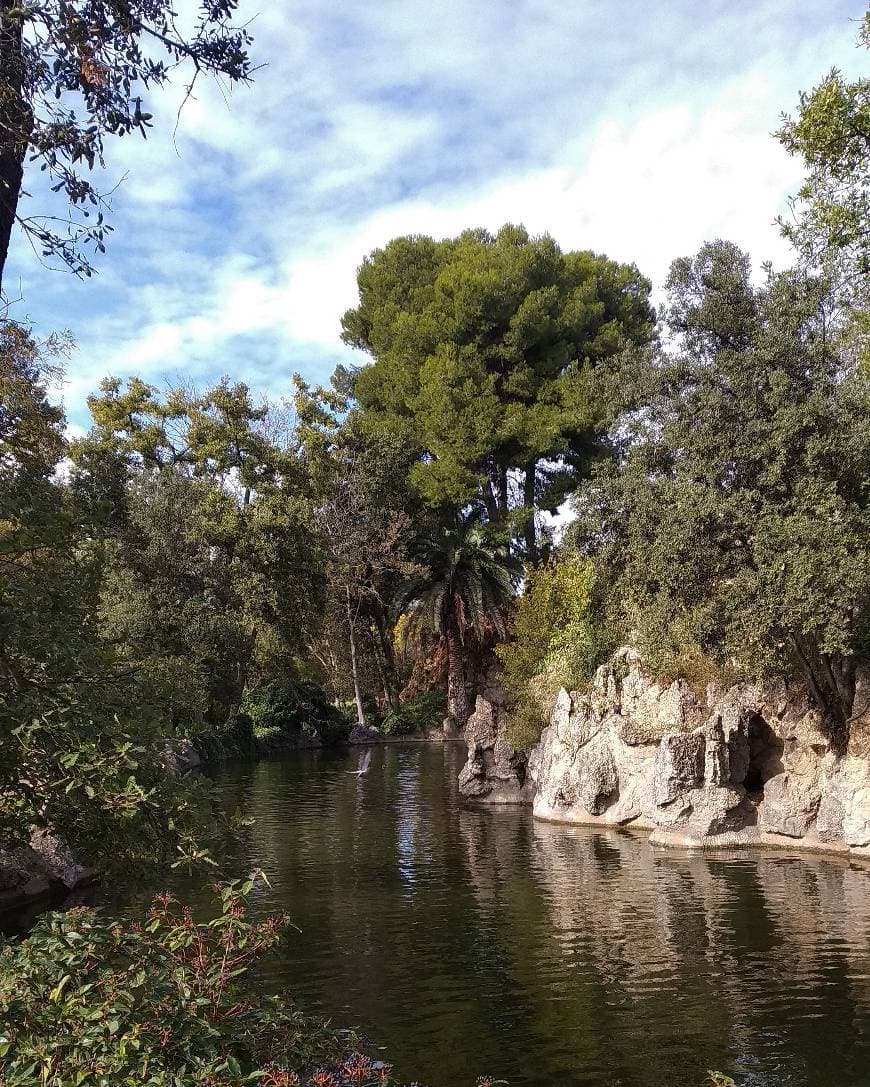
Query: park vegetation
<point>205,565</point>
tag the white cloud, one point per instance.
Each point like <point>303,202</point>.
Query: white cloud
<point>640,131</point>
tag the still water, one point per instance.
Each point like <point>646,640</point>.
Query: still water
<point>467,942</point>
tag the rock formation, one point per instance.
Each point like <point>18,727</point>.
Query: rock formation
<point>748,766</point>
<point>494,772</point>
<point>32,871</point>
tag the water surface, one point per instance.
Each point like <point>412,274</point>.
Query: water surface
<point>472,941</point>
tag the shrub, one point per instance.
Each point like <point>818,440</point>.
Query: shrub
<point>295,706</point>
<point>418,714</point>
<point>274,716</point>
<point>557,642</point>
<point>169,1002</point>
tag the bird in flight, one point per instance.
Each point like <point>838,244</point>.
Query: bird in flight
<point>365,760</point>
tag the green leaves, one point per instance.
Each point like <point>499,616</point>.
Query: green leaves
<point>482,350</point>
<point>556,642</point>
<point>738,523</point>
<point>170,1003</point>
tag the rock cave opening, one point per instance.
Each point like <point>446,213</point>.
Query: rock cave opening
<point>765,756</point>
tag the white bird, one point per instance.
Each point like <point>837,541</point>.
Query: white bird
<point>365,760</point>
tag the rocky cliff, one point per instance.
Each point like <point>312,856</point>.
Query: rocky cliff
<point>747,766</point>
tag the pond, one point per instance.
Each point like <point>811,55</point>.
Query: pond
<point>474,941</point>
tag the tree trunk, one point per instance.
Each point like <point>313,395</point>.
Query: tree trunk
<point>389,659</point>
<point>357,693</point>
<point>15,124</point>
<point>503,488</point>
<point>831,681</point>
<point>529,507</point>
<point>457,698</point>
<point>375,644</point>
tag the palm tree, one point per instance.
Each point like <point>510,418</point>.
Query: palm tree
<point>461,594</point>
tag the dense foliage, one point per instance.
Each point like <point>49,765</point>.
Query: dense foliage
<point>739,519</point>
<point>79,730</point>
<point>165,1002</point>
<point>490,360</point>
<point>556,641</point>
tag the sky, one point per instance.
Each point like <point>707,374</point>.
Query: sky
<point>637,128</point>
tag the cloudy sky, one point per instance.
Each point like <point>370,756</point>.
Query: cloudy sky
<point>639,128</point>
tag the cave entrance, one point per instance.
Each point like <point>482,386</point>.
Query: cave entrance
<point>765,756</point>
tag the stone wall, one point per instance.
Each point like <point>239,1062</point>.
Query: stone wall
<point>748,766</point>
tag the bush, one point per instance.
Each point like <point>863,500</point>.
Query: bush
<point>169,1002</point>
<point>276,716</point>
<point>557,642</point>
<point>292,707</point>
<point>418,714</point>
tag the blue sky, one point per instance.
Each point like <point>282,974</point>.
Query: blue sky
<point>639,128</point>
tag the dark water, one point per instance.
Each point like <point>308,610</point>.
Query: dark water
<point>466,942</point>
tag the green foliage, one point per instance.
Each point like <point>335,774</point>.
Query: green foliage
<point>491,360</point>
<point>169,1003</point>
<point>738,521</point>
<point>79,732</point>
<point>460,594</point>
<point>211,574</point>
<point>289,708</point>
<point>830,222</point>
<point>417,715</point>
<point>556,642</point>
<point>366,516</point>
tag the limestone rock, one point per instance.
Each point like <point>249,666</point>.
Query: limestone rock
<point>679,766</point>
<point>829,820</point>
<point>30,871</point>
<point>790,804</point>
<point>179,757</point>
<point>748,765</point>
<point>597,778</point>
<point>494,772</point>
<point>59,861</point>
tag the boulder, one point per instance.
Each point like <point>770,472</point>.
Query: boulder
<point>31,871</point>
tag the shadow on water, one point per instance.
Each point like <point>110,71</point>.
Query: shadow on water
<point>469,941</point>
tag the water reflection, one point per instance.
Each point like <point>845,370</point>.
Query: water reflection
<point>472,941</point>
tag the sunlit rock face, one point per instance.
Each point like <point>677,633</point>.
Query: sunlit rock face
<point>749,766</point>
<point>495,773</point>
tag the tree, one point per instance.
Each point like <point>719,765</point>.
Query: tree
<point>461,594</point>
<point>738,521</point>
<point>362,507</point>
<point>72,72</point>
<point>80,732</point>
<point>211,575</point>
<point>490,361</point>
<point>830,222</point>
